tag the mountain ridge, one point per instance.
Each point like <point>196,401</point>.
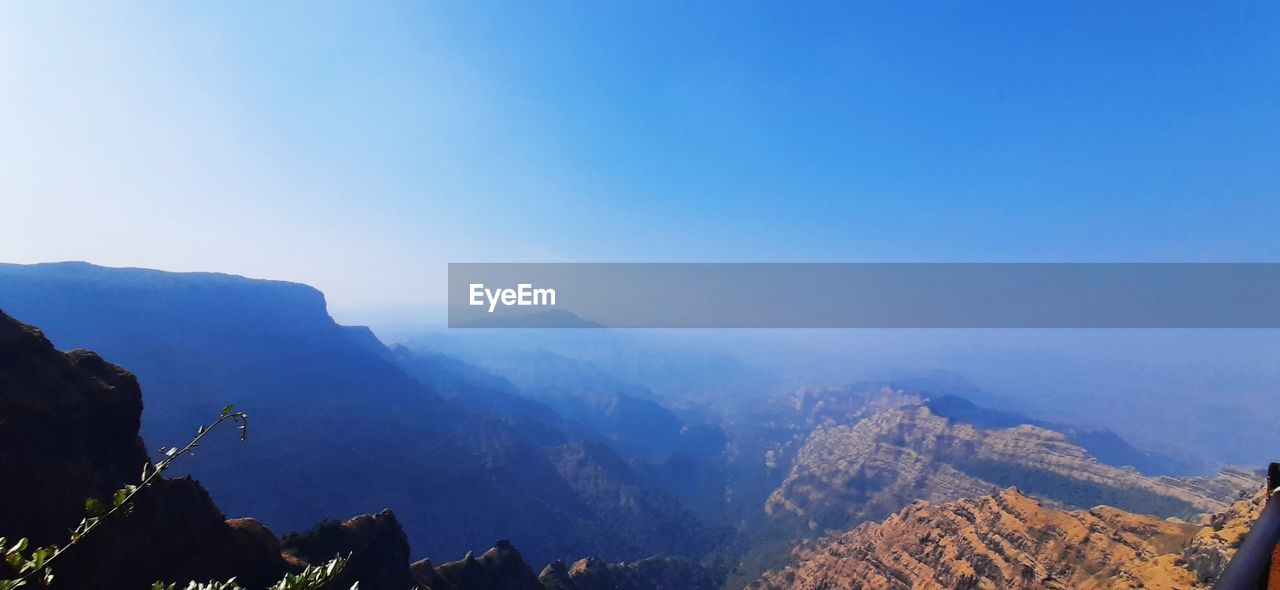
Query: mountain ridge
<point>271,347</point>
<point>174,531</point>
<point>895,450</point>
<point>1008,540</point>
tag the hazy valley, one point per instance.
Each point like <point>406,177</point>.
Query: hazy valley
<point>645,475</point>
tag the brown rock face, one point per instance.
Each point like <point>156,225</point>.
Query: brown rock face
<point>1001,541</point>
<point>895,451</point>
<point>69,431</point>
<point>1008,540</point>
<point>1212,547</point>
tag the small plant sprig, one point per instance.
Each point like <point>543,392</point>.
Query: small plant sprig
<point>36,566</point>
<point>310,578</point>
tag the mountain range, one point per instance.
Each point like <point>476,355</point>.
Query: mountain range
<point>866,467</point>
<point>69,431</point>
<point>340,428</point>
<point>615,478</point>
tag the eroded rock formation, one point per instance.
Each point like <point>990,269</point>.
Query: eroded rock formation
<point>1008,540</point>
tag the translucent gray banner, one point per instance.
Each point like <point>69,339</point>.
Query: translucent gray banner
<point>864,295</point>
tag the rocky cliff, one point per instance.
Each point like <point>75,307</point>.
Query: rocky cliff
<point>1208,552</point>
<point>866,459</point>
<point>333,412</point>
<point>1009,540</point>
<point>69,431</point>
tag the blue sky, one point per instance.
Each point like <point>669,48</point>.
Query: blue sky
<point>360,147</point>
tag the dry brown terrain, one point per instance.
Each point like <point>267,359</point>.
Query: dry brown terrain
<point>895,450</point>
<point>1008,540</point>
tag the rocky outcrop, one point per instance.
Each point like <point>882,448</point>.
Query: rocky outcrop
<point>1207,554</point>
<point>375,545</point>
<point>499,568</point>
<point>1005,540</point>
<point>888,450</point>
<point>556,577</point>
<point>1008,540</point>
<point>69,431</point>
<point>502,568</point>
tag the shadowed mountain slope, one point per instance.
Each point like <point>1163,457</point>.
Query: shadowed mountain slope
<point>339,429</point>
<point>69,431</point>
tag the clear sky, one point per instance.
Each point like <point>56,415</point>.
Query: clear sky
<point>359,148</point>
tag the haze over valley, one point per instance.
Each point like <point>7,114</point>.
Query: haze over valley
<point>686,448</point>
<point>336,295</point>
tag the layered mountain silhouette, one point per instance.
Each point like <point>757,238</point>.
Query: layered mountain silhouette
<point>441,456</point>
<point>69,431</point>
<point>339,428</point>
